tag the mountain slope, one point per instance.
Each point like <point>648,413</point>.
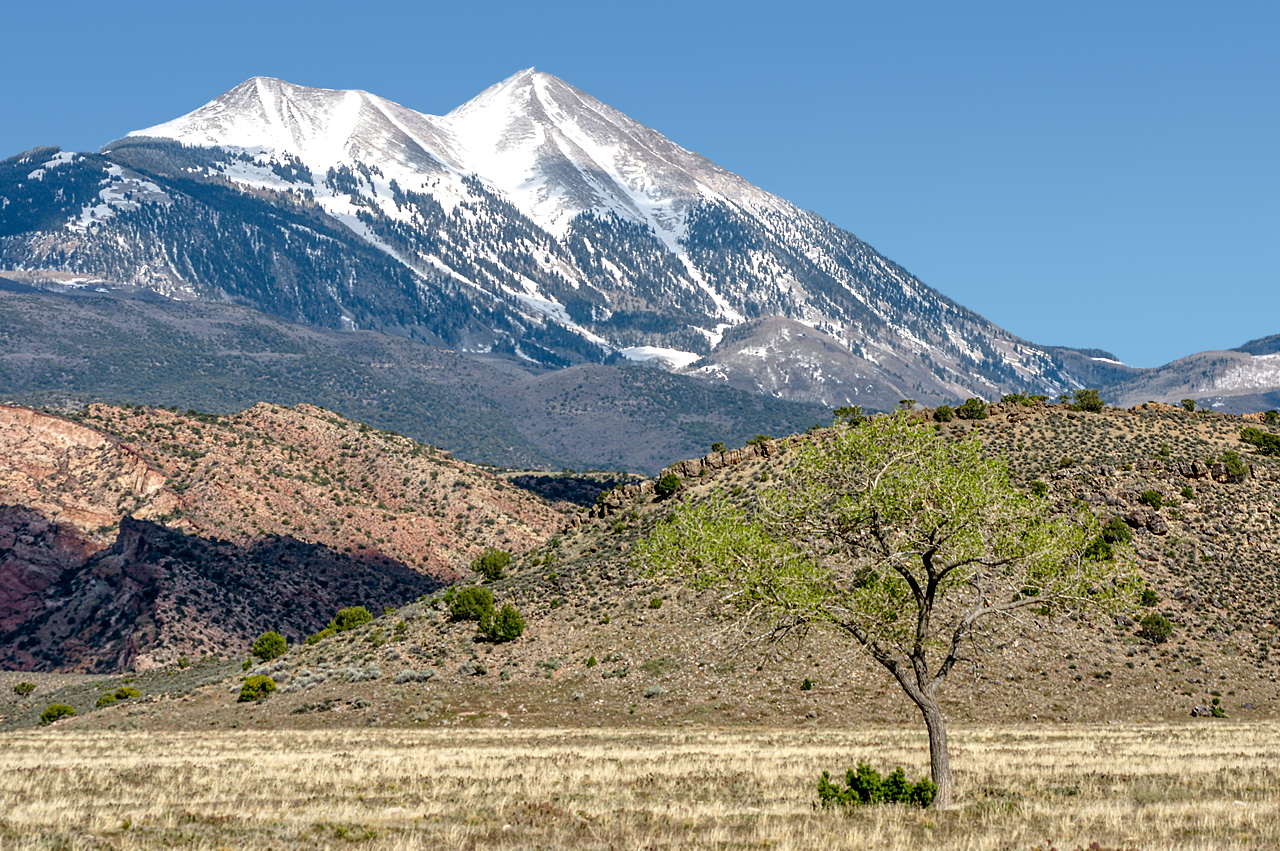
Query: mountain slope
<point>533,220</point>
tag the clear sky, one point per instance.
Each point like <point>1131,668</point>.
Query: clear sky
<point>1086,173</point>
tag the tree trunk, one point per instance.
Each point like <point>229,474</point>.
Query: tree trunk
<point>939,754</point>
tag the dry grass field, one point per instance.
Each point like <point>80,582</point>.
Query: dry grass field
<point>1212,785</point>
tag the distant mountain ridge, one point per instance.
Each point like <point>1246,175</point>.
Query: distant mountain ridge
<point>533,222</point>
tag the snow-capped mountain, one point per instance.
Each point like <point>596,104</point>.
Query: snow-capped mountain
<point>532,220</point>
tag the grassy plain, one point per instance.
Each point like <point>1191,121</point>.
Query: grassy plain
<point>1206,785</point>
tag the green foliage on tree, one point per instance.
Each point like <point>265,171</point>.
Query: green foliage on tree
<point>667,485</point>
<point>1188,405</point>
<point>718,446</point>
<point>55,712</point>
<point>1263,442</point>
<point>1149,598</point>
<point>851,414</point>
<point>759,438</point>
<point>507,624</point>
<point>973,409</point>
<point>270,645</point>
<point>492,564</point>
<point>897,539</point>
<point>944,414</point>
<point>257,687</point>
<point>1089,400</point>
<point>24,688</point>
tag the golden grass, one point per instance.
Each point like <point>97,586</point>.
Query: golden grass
<point>1212,785</point>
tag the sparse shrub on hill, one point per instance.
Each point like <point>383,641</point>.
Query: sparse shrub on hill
<point>944,414</point>
<point>667,485</point>
<point>1263,442</point>
<point>55,712</point>
<point>24,688</point>
<point>1039,489</point>
<point>1087,399</point>
<point>1155,628</point>
<point>256,688</point>
<point>851,414</point>
<point>1188,405</point>
<point>492,563</point>
<point>507,624</point>
<point>112,697</point>
<point>1237,469</point>
<point>973,409</point>
<point>472,604</point>
<point>1149,598</point>
<point>270,645</point>
<point>864,786</point>
<point>350,618</point>
<point>1152,498</point>
<point>1116,531</point>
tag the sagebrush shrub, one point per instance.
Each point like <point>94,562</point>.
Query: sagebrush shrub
<point>492,563</point>
<point>1152,498</point>
<point>507,624</point>
<point>256,688</point>
<point>270,645</point>
<point>1155,627</point>
<point>472,604</point>
<point>55,712</point>
<point>350,618</point>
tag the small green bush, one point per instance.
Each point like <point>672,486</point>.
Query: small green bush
<point>1187,492</point>
<point>972,409</point>
<point>350,618</point>
<point>1099,549</point>
<point>507,624</point>
<point>1263,442</point>
<point>492,564</point>
<point>655,603</point>
<point>24,688</point>
<point>864,786</point>
<point>56,712</point>
<point>807,685</point>
<point>472,604</point>
<point>1237,470</point>
<point>667,485</point>
<point>270,645</point>
<point>1188,405</point>
<point>759,438</point>
<point>1149,597</point>
<point>1089,400</point>
<point>316,638</point>
<point>1116,531</point>
<point>1152,498</point>
<point>944,414</point>
<point>851,414</point>
<point>718,446</point>
<point>256,688</point>
<point>1039,489</point>
<point>591,661</point>
<point>1155,627</point>
<point>105,700</point>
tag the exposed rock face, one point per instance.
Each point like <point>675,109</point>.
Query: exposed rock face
<point>34,554</point>
<point>75,475</point>
<point>156,595</point>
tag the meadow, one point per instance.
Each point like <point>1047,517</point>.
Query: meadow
<point>1208,785</point>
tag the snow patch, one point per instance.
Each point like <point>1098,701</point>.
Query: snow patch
<point>673,358</point>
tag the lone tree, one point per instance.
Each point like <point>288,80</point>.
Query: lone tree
<point>904,542</point>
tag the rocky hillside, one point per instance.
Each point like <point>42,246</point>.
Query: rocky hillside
<point>136,536</point>
<point>606,645</point>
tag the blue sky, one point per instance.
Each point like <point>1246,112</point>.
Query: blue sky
<point>1087,174</point>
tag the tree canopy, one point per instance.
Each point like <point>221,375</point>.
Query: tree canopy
<point>899,539</point>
